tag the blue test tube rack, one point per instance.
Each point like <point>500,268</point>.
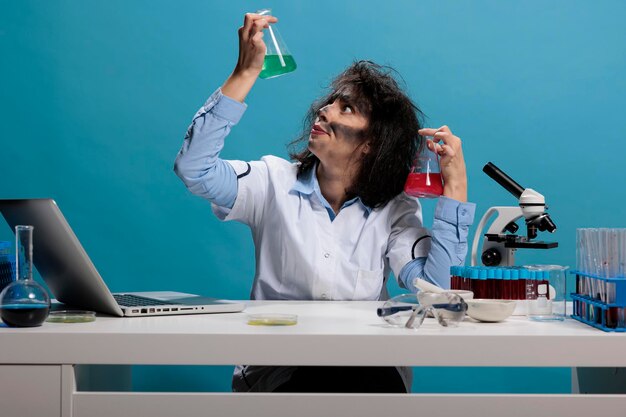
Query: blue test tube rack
<point>600,302</point>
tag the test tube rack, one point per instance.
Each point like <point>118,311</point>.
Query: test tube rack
<point>499,283</point>
<point>502,283</point>
<point>600,302</point>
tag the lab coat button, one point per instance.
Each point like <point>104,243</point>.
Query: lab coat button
<point>327,255</point>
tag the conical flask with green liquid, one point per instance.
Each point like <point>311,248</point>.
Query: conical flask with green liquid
<point>278,60</point>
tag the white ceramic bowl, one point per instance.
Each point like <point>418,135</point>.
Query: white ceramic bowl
<point>489,310</point>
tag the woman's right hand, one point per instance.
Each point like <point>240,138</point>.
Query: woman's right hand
<point>251,55</point>
<point>251,45</point>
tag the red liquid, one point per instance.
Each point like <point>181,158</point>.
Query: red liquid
<point>424,185</point>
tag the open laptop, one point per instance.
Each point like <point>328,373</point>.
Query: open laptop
<point>74,280</point>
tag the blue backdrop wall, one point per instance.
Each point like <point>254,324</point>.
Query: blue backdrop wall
<point>95,98</point>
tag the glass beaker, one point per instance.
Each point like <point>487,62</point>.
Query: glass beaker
<point>24,303</point>
<point>278,61</point>
<point>546,292</point>
<point>424,180</point>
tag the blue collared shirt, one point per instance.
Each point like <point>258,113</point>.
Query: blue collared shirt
<point>307,184</point>
<point>205,174</point>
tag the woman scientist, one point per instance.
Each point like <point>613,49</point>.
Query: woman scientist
<point>335,223</point>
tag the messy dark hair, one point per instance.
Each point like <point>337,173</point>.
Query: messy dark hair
<point>392,132</point>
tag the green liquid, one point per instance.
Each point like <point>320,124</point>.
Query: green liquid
<point>71,319</point>
<point>272,67</point>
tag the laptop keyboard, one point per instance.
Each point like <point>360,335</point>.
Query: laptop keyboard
<point>130,300</point>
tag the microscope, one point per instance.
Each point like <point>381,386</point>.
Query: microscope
<point>500,241</point>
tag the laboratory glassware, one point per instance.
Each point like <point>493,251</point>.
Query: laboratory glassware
<point>24,303</point>
<point>424,180</point>
<point>278,60</point>
<point>546,292</point>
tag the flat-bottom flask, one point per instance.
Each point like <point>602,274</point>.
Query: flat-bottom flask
<point>24,303</point>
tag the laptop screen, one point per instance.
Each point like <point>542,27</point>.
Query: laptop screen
<point>59,257</point>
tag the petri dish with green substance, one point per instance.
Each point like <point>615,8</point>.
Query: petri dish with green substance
<point>71,316</point>
<point>272,319</point>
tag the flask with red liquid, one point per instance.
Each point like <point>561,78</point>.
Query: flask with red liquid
<point>424,180</point>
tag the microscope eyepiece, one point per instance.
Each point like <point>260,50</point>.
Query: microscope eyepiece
<point>504,180</point>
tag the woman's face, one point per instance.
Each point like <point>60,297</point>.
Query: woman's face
<point>339,131</point>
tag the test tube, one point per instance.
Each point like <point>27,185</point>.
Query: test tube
<point>581,287</point>
<point>588,254</point>
<point>613,252</point>
<point>514,283</point>
<point>603,251</point>
<point>497,294</point>
<point>482,283</point>
<point>579,250</point>
<point>465,278</point>
<point>491,283</point>
<point>599,250</point>
<point>622,252</point>
<point>473,278</point>
<point>506,283</point>
<point>453,278</point>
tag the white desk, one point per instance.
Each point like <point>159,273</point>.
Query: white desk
<point>327,333</point>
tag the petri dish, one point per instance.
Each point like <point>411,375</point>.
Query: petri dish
<point>272,319</point>
<point>71,316</point>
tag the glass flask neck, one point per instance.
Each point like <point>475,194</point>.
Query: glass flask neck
<point>24,252</point>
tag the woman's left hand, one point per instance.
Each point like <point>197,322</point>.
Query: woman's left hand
<point>451,161</point>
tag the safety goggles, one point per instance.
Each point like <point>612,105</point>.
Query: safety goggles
<point>410,310</point>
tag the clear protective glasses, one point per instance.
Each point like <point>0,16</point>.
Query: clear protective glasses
<point>410,310</point>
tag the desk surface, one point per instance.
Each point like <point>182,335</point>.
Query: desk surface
<point>327,333</point>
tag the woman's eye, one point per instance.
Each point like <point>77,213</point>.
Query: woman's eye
<point>348,109</point>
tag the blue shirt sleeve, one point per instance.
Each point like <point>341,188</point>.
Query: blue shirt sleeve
<point>448,245</point>
<point>198,164</point>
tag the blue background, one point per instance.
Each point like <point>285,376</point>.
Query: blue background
<point>95,98</point>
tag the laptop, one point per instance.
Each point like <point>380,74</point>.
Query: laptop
<point>74,280</point>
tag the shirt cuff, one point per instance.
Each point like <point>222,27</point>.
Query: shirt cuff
<point>225,107</point>
<point>455,212</point>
